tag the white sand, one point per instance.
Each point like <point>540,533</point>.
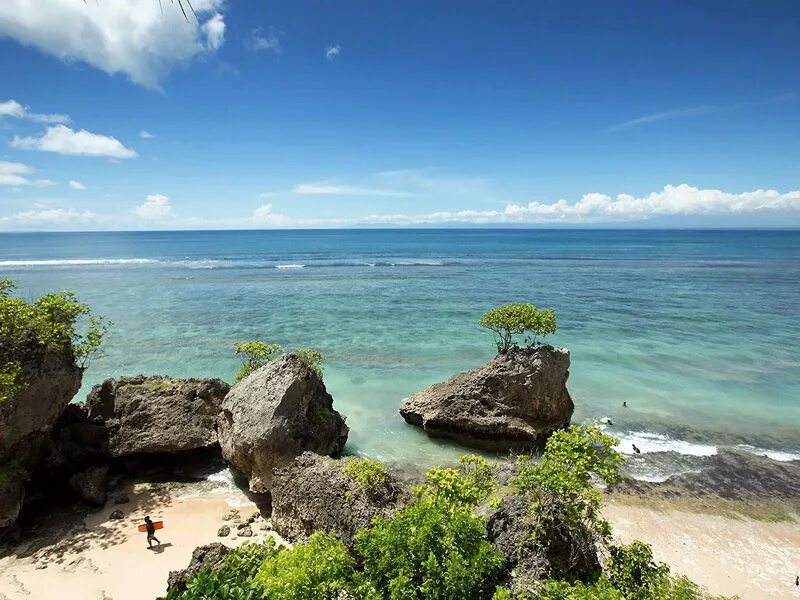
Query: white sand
<point>109,560</point>
<point>753,559</point>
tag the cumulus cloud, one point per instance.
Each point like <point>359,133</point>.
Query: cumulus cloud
<point>259,40</point>
<point>12,108</point>
<point>331,52</point>
<point>155,207</point>
<point>131,37</point>
<point>332,189</point>
<point>673,200</point>
<point>146,135</point>
<point>14,173</point>
<point>76,185</point>
<point>264,216</point>
<point>63,140</point>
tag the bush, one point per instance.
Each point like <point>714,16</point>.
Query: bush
<point>55,323</point>
<point>368,474</point>
<point>235,578</point>
<point>467,486</point>
<point>632,570</point>
<point>311,358</point>
<point>316,570</point>
<point>254,355</point>
<point>518,319</point>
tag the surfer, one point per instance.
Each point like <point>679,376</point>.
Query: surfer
<point>151,532</point>
<point>635,449</point>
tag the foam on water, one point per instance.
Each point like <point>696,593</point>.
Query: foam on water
<point>76,262</point>
<point>773,454</point>
<point>293,266</point>
<point>649,442</point>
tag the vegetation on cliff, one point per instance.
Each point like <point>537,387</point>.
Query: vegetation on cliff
<point>438,548</point>
<point>518,319</point>
<point>55,323</point>
<point>255,354</point>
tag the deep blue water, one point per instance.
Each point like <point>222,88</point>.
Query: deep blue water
<point>696,330</point>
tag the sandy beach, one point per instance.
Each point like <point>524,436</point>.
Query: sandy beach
<point>109,559</point>
<point>105,559</point>
<point>755,560</point>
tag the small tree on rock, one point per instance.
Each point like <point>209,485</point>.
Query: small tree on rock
<point>519,318</point>
<point>254,355</point>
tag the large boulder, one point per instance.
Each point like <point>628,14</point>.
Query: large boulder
<point>208,557</point>
<point>155,414</point>
<point>12,493</point>
<point>91,485</point>
<point>555,551</point>
<point>275,414</point>
<point>50,381</point>
<point>514,402</point>
<point>314,494</point>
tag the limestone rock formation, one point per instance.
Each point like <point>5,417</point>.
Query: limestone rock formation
<point>275,414</point>
<point>91,485</point>
<point>312,494</point>
<point>568,553</point>
<point>514,402</point>
<point>153,414</point>
<point>209,556</point>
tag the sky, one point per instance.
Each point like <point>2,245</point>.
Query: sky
<point>124,114</point>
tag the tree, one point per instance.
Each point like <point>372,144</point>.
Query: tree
<point>517,319</point>
<point>254,355</point>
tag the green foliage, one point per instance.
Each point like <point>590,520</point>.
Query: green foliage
<point>520,318</point>
<point>632,570</point>
<point>561,490</point>
<point>234,579</point>
<point>466,486</point>
<point>317,570</point>
<point>562,590</point>
<point>254,355</point>
<point>502,593</point>
<point>368,474</point>
<point>429,551</point>
<point>55,323</point>
<point>311,358</point>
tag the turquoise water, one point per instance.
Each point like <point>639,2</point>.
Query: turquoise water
<point>696,330</point>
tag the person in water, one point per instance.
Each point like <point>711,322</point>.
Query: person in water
<point>635,449</point>
<point>151,532</point>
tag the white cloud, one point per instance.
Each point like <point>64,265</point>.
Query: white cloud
<point>76,185</point>
<point>155,207</point>
<point>691,111</point>
<point>214,30</point>
<point>673,200</point>
<point>259,40</point>
<point>54,217</point>
<point>264,216</point>
<point>12,108</point>
<point>13,173</point>
<point>132,37</point>
<point>63,140</point>
<point>332,52</point>
<point>146,135</point>
<point>332,189</point>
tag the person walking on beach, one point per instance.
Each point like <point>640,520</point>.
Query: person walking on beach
<point>151,532</point>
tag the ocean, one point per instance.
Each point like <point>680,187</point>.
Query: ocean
<point>698,331</point>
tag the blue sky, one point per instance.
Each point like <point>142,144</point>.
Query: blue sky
<point>337,114</point>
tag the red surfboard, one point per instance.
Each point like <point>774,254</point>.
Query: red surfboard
<point>156,525</point>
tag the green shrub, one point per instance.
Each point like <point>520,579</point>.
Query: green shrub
<point>466,486</point>
<point>435,548</point>
<point>519,318</point>
<point>562,590</point>
<point>316,570</point>
<point>254,355</point>
<point>311,358</point>
<point>55,323</point>
<point>235,578</point>
<point>368,474</point>
<point>632,570</point>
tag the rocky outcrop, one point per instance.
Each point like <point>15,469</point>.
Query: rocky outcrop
<point>91,485</point>
<point>145,415</point>
<point>50,381</point>
<point>209,557</point>
<point>274,415</point>
<point>313,494</point>
<point>514,402</point>
<point>562,552</point>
